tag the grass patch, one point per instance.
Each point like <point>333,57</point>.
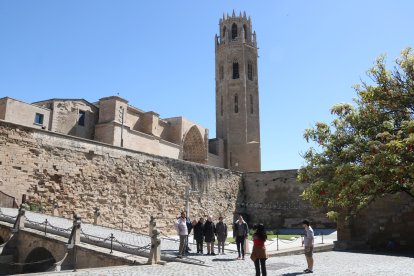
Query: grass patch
<point>269,237</point>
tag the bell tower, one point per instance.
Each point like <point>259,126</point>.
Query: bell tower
<point>237,93</point>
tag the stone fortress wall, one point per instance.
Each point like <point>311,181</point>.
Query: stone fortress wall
<point>126,185</point>
<point>273,198</point>
<point>130,186</point>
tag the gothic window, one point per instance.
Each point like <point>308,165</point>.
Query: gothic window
<point>223,35</point>
<point>236,103</point>
<point>250,71</point>
<point>251,104</point>
<point>234,31</point>
<point>81,119</point>
<point>221,72</point>
<point>221,106</point>
<point>194,149</point>
<point>245,31</point>
<point>235,70</point>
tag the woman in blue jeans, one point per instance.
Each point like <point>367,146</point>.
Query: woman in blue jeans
<point>240,233</point>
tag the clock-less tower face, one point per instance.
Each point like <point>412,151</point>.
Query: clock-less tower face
<point>237,93</point>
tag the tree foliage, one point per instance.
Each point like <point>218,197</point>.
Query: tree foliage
<point>367,150</point>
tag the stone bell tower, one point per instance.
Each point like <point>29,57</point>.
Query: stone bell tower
<point>237,93</point>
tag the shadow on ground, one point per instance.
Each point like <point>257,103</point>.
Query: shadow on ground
<point>224,260</point>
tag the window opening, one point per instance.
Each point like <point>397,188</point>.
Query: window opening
<point>221,105</point>
<point>221,72</point>
<point>251,104</point>
<point>250,71</point>
<point>236,103</point>
<point>81,119</point>
<point>39,119</point>
<point>234,31</point>
<point>235,70</point>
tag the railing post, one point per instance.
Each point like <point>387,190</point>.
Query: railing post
<point>322,237</point>
<point>152,225</point>
<point>277,241</point>
<point>74,238</point>
<point>112,242</point>
<point>55,209</point>
<point>77,227</point>
<point>122,225</point>
<point>155,252</point>
<point>97,216</point>
<point>20,220</point>
<point>45,226</point>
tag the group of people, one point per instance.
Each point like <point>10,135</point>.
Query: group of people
<point>208,231</point>
<point>203,232</point>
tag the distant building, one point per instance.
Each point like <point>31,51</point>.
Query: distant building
<point>113,121</point>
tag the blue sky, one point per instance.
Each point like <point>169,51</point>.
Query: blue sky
<point>159,55</point>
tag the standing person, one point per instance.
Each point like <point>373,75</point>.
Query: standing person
<point>221,229</point>
<point>189,228</point>
<point>209,235</point>
<point>308,243</point>
<point>182,231</point>
<point>240,233</point>
<point>199,235</point>
<point>259,254</point>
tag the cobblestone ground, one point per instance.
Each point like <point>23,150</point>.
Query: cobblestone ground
<point>327,263</point>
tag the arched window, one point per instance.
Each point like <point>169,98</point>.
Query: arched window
<point>250,71</point>
<point>251,104</point>
<point>221,105</point>
<point>221,72</point>
<point>234,31</point>
<point>235,70</point>
<point>223,35</point>
<point>236,103</point>
<point>245,31</point>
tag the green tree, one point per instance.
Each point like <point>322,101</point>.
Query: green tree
<point>367,150</point>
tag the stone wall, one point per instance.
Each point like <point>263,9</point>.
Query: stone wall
<point>128,186</point>
<point>273,198</point>
<point>387,223</point>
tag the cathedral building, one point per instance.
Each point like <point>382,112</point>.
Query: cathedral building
<point>113,121</point>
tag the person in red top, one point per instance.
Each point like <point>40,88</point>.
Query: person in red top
<point>259,254</point>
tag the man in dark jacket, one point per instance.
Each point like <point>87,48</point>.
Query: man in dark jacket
<point>199,235</point>
<point>210,235</point>
<point>221,229</point>
<point>240,233</point>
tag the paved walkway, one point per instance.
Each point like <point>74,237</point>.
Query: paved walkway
<point>138,244</point>
<point>326,263</point>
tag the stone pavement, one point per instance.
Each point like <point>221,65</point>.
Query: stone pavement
<point>326,263</point>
